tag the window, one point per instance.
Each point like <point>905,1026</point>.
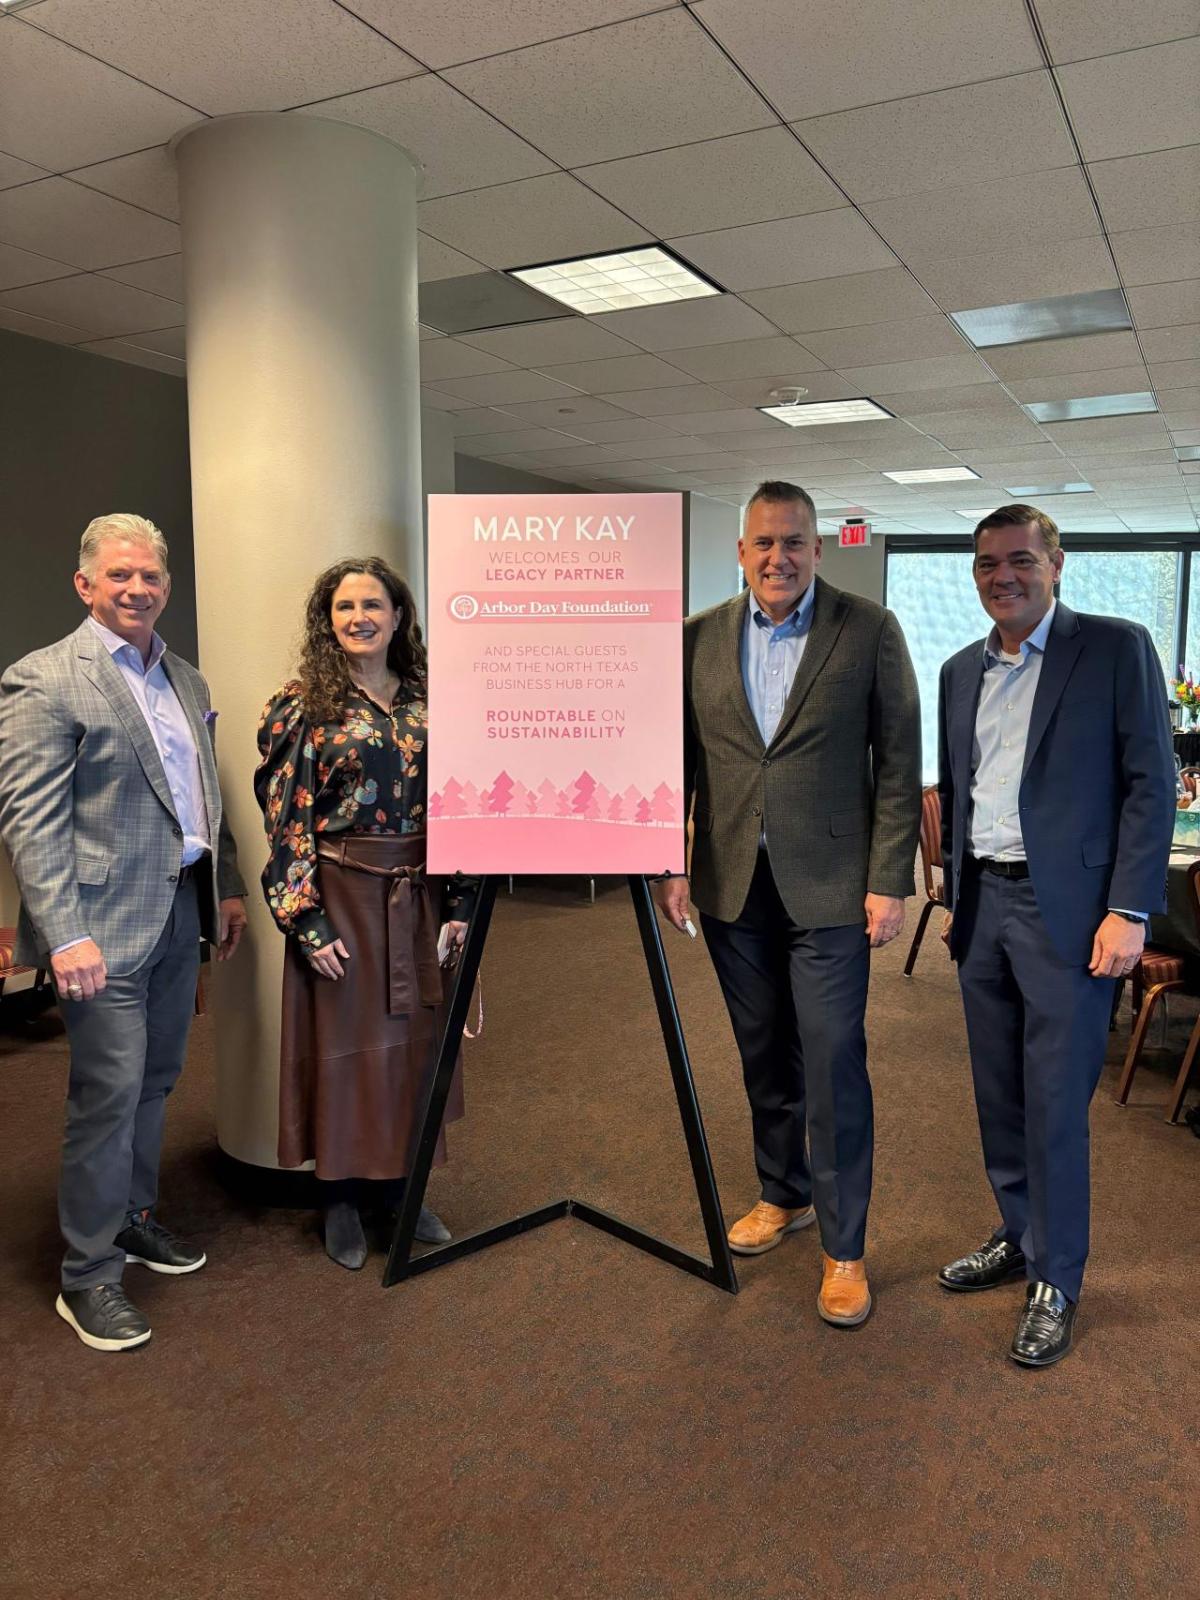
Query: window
<point>933,595</point>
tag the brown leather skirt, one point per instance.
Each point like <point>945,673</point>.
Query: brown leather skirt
<point>357,1055</point>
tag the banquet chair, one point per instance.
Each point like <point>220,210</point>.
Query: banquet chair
<point>1156,974</point>
<point>931,861</point>
<point>8,940</point>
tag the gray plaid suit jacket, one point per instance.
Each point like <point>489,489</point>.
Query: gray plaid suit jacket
<point>838,789</point>
<point>85,809</point>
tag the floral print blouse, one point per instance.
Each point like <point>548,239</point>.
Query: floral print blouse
<point>363,773</point>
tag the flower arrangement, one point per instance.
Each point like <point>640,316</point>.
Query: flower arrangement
<point>1187,694</point>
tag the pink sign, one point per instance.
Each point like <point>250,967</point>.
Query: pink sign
<point>556,683</point>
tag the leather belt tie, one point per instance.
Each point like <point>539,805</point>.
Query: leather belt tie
<point>410,931</point>
<point>1003,869</point>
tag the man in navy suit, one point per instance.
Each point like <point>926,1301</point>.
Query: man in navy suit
<point>1057,784</point>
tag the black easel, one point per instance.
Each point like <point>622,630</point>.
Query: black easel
<point>719,1271</point>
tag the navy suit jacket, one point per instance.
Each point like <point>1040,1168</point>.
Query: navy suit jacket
<point>1097,796</point>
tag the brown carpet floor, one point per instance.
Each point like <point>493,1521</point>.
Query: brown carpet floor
<point>564,1416</point>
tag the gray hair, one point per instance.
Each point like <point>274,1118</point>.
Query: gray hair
<point>119,525</point>
<point>775,492</point>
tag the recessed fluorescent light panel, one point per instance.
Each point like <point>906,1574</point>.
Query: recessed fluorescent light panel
<point>1064,316</point>
<point>1049,488</point>
<point>1188,452</point>
<point>933,475</point>
<point>977,515</point>
<point>618,281</point>
<point>821,413</point>
<point>1096,405</point>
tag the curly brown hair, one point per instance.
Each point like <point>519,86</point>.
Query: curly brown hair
<point>324,675</point>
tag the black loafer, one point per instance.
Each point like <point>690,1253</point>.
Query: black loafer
<point>151,1245</point>
<point>103,1317</point>
<point>993,1263</point>
<point>345,1241</point>
<point>1043,1334</point>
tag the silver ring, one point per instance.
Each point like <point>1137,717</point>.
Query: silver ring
<point>74,988</point>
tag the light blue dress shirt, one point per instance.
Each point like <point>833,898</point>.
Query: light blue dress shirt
<point>771,654</point>
<point>1001,735</point>
<point>171,732</point>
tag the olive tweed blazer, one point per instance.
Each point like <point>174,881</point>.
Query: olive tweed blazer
<point>837,790</point>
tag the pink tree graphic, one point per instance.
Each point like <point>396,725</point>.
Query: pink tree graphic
<point>662,805</point>
<point>472,805</point>
<point>585,788</point>
<point>547,798</point>
<point>629,800</point>
<point>452,799</point>
<point>520,797</point>
<point>500,795</point>
<point>562,804</point>
<point>531,803</point>
<point>643,810</point>
<point>601,800</point>
<point>616,809</point>
<point>435,804</point>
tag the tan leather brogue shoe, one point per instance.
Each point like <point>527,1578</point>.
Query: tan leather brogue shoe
<point>764,1227</point>
<point>845,1299</point>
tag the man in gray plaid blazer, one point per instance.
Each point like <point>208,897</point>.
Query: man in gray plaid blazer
<point>111,812</point>
<point>803,766</point>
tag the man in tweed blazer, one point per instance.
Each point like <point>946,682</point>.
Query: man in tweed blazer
<point>803,765</point>
<point>111,812</point>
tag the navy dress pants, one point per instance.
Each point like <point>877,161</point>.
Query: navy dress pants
<point>1038,1031</point>
<point>797,998</point>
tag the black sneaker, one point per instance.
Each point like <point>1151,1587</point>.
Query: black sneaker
<point>151,1245</point>
<point>103,1317</point>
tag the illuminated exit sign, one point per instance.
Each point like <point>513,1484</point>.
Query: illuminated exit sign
<point>853,535</point>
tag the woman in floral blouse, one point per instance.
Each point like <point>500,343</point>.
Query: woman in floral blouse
<point>342,785</point>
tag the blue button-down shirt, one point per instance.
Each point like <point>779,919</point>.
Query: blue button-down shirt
<point>171,732</point>
<point>771,654</point>
<point>1001,734</point>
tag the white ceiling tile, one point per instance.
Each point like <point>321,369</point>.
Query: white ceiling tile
<point>964,397</point>
<point>1101,430</point>
<point>1179,342</point>
<point>1036,271</point>
<point>1081,385</point>
<point>60,108</point>
<point>536,344</point>
<point>686,398</point>
<point>653,445</point>
<point>1097,445</point>
<point>817,386</point>
<point>577,455</point>
<point>722,421</point>
<point>1052,206</point>
<point>844,302</point>
<point>1077,29</point>
<point>59,219</point>
<point>1180,416</point>
<point>792,250</point>
<point>163,275</point>
<point>495,388</point>
<point>1158,255</point>
<point>458,145</point>
<point>646,84</point>
<point>424,333</point>
<point>146,179</point>
<point>230,55</point>
<point>14,171</point>
<point>622,372</point>
<point>491,444</point>
<point>686,323</point>
<point>750,358</point>
<point>880,342</point>
<point>984,460</point>
<point>1088,353</point>
<point>1172,375</point>
<point>1149,191</point>
<point>447,358</point>
<point>807,62</point>
<point>937,371</point>
<point>969,430</point>
<point>1108,464</point>
<point>1188,440</point>
<point>20,266</point>
<point>135,355</point>
<point>719,183</point>
<point>715,461</point>
<point>107,309</point>
<point>167,341</point>
<point>40,328</point>
<point>441,33</point>
<point>436,260</point>
<point>1142,100</point>
<point>570,412</point>
<point>960,136</point>
<point>442,402</point>
<point>1165,305</point>
<point>636,428</point>
<point>534,220</point>
<point>481,419</point>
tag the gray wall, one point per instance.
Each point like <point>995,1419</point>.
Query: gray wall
<point>857,571</point>
<point>82,434</point>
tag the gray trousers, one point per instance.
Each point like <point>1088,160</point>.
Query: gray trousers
<point>127,1050</point>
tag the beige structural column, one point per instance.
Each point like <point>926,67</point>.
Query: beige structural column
<point>299,238</point>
